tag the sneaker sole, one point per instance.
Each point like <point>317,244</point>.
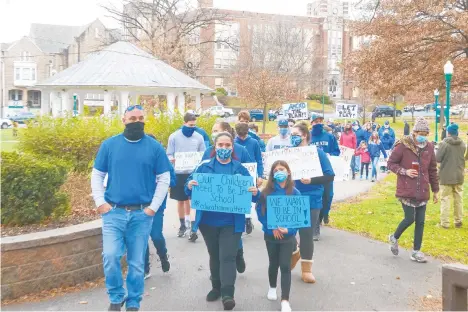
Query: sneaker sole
<point>229,305</point>
<point>416,260</point>
<point>147,276</point>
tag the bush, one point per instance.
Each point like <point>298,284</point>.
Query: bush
<point>318,98</point>
<point>30,189</point>
<point>77,140</point>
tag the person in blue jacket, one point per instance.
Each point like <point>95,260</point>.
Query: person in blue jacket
<point>387,141</point>
<point>327,142</point>
<point>221,231</point>
<point>374,147</point>
<point>244,117</point>
<point>360,136</point>
<point>253,149</point>
<point>156,234</point>
<point>312,187</point>
<point>386,127</point>
<point>205,136</point>
<point>280,242</point>
<point>242,156</point>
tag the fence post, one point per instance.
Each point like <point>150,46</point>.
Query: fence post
<point>454,287</point>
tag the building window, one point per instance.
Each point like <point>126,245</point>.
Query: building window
<point>26,74</point>
<point>219,82</point>
<point>26,56</point>
<point>15,95</point>
<point>218,63</point>
<point>34,98</point>
<point>33,74</point>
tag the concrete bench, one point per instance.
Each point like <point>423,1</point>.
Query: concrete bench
<point>454,287</point>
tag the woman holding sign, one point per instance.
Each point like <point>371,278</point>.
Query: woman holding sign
<point>221,230</point>
<point>312,187</point>
<point>280,242</point>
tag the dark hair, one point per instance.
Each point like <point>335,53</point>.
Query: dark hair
<point>242,128</point>
<point>291,120</point>
<point>189,117</point>
<point>270,186</point>
<point>244,115</point>
<point>303,129</point>
<point>226,127</point>
<point>221,134</point>
<point>253,126</point>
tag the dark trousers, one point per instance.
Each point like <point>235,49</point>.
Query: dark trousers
<point>413,215</point>
<point>222,244</point>
<point>365,165</point>
<point>279,254</point>
<point>306,236</point>
<point>158,239</point>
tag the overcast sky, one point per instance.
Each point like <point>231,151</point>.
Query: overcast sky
<point>16,16</point>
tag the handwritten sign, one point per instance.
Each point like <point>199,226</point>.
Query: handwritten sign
<point>187,161</point>
<point>303,161</point>
<point>222,193</point>
<point>342,164</point>
<point>382,160</point>
<point>288,212</point>
<point>346,110</point>
<point>252,168</point>
<point>296,111</point>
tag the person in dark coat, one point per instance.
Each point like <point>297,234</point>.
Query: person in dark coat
<point>406,130</point>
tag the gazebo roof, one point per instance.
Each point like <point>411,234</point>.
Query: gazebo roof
<point>123,65</point>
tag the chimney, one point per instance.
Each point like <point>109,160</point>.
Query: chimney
<point>205,4</point>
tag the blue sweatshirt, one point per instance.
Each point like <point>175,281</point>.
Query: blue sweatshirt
<point>324,140</point>
<point>263,218</point>
<point>388,141</point>
<point>240,151</point>
<point>315,191</point>
<point>361,136</point>
<point>206,137</point>
<point>375,149</point>
<point>261,143</point>
<point>254,151</point>
<point>219,219</point>
<point>390,131</point>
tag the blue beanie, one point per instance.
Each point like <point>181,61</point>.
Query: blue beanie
<point>282,122</point>
<point>387,122</point>
<point>453,129</point>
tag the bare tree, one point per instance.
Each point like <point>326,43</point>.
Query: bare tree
<point>171,29</point>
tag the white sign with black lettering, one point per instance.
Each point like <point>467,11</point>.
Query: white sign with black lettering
<point>252,168</point>
<point>346,110</point>
<point>342,164</point>
<point>296,111</point>
<point>187,161</point>
<point>303,161</point>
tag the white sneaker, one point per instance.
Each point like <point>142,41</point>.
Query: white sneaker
<point>272,294</point>
<point>187,224</point>
<point>285,306</point>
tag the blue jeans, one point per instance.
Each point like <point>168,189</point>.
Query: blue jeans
<point>125,231</point>
<point>375,166</point>
<point>157,237</point>
<point>357,163</point>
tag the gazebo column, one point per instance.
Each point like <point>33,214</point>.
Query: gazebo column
<point>171,102</point>
<point>65,103</point>
<point>198,102</point>
<point>45,102</point>
<point>123,102</point>
<point>55,103</point>
<point>107,103</point>
<point>181,103</point>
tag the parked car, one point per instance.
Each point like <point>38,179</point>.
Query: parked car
<point>385,110</point>
<point>220,111</point>
<point>408,108</point>
<point>6,123</point>
<point>257,114</point>
<point>22,117</point>
<point>191,111</point>
<point>419,108</point>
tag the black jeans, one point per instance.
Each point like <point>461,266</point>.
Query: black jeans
<point>417,215</point>
<point>222,244</point>
<point>306,236</point>
<point>365,165</point>
<point>279,254</point>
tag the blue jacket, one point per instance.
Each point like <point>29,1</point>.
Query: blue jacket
<point>207,166</point>
<point>206,137</point>
<point>375,149</point>
<point>391,132</point>
<point>261,143</point>
<point>387,141</point>
<point>360,136</point>
<point>241,153</point>
<point>315,191</point>
<point>254,151</point>
<point>324,140</point>
<point>263,218</point>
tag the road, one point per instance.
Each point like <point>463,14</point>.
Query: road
<point>353,273</point>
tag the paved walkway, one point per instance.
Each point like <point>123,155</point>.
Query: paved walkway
<point>353,273</point>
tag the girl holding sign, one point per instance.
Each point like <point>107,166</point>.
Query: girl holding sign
<point>312,187</point>
<point>221,230</point>
<point>281,242</point>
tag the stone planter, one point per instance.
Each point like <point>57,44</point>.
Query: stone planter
<point>56,258</point>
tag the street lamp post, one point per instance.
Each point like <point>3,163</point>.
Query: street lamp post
<point>448,71</point>
<point>436,96</point>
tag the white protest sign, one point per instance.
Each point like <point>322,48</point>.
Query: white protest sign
<point>303,161</point>
<point>187,161</point>
<point>382,160</point>
<point>346,110</point>
<point>296,111</point>
<point>341,164</point>
<point>252,168</point>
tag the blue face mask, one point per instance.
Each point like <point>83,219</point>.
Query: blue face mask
<point>283,131</point>
<point>296,140</point>
<point>188,131</point>
<point>224,153</point>
<point>280,176</point>
<point>421,139</point>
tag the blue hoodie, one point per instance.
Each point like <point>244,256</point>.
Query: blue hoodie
<point>375,149</point>
<point>361,135</point>
<point>238,220</point>
<point>240,151</point>
<point>206,137</point>
<point>324,140</point>
<point>261,143</point>
<point>254,151</point>
<point>315,191</point>
<point>390,131</point>
<point>388,141</point>
<point>263,218</point>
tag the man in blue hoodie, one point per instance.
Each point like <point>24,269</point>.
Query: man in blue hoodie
<point>360,136</point>
<point>327,142</point>
<point>244,117</point>
<point>386,127</point>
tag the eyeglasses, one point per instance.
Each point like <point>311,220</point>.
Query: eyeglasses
<point>130,108</point>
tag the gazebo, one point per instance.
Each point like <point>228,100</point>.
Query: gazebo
<point>121,69</point>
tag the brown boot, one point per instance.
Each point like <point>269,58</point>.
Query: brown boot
<point>295,257</point>
<point>307,276</point>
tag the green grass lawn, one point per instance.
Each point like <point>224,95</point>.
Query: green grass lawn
<point>378,213</point>
<point>6,135</point>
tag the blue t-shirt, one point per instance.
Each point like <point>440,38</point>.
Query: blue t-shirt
<point>132,168</point>
<point>254,151</point>
<point>214,218</point>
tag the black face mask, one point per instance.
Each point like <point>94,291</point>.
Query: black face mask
<point>134,131</point>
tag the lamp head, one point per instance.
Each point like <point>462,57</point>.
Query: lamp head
<point>436,92</point>
<point>448,68</point>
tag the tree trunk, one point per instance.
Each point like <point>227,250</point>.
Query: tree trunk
<point>412,114</point>
<point>394,110</point>
<point>265,117</point>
